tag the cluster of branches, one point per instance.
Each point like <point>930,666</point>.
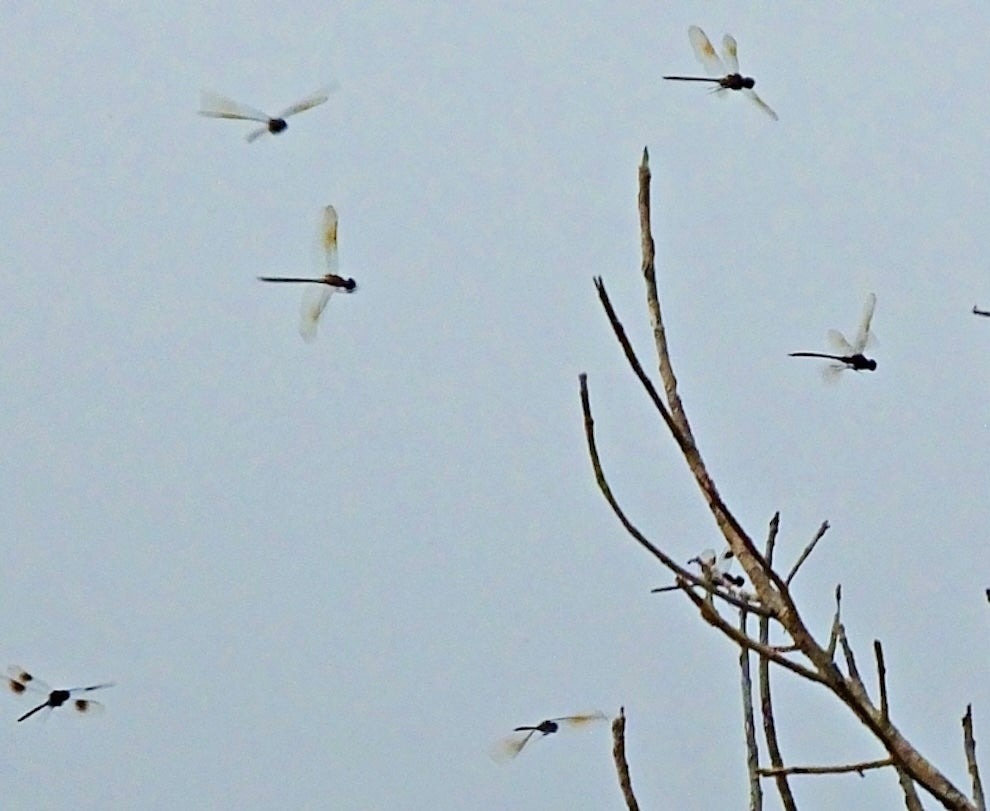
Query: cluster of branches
<point>770,602</point>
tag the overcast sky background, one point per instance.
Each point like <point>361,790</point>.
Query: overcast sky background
<point>332,575</point>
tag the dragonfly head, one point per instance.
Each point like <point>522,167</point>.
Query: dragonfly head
<point>276,125</point>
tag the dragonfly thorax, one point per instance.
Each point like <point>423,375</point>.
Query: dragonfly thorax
<point>736,81</point>
<point>862,362</point>
<point>58,697</point>
<point>276,125</point>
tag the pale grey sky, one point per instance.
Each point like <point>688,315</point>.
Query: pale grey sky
<point>331,575</point>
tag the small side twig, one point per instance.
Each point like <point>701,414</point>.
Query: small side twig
<point>833,637</point>
<point>845,768</point>
<point>974,769</point>
<point>619,756</point>
<point>882,679</point>
<point>807,551</point>
<point>847,651</point>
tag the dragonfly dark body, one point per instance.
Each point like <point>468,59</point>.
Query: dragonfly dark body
<point>546,727</point>
<point>331,279</point>
<point>860,363</point>
<point>978,311</point>
<point>734,81</point>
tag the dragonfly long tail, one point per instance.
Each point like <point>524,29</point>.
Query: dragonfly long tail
<point>29,713</point>
<point>691,79</point>
<point>813,355</point>
<point>287,279</point>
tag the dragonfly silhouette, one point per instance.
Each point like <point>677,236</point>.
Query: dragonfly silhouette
<point>317,293</point>
<point>716,569</point>
<point>724,72</point>
<point>851,354</point>
<point>509,747</point>
<point>20,681</point>
<point>978,311</point>
<point>216,106</point>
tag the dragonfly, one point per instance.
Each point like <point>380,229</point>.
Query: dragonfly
<point>725,71</point>
<point>216,106</point>
<point>509,747</point>
<point>716,568</point>
<point>20,681</point>
<point>318,291</point>
<point>848,355</point>
<point>978,311</point>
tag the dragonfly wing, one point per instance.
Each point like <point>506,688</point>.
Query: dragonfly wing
<point>761,103</point>
<point>254,135</point>
<point>19,681</point>
<point>510,746</point>
<point>213,105</point>
<point>832,371</point>
<point>314,301</point>
<point>82,707</point>
<point>705,52</point>
<point>307,103</point>
<point>863,333</point>
<point>582,720</point>
<point>839,343</point>
<point>730,54</point>
<point>328,239</point>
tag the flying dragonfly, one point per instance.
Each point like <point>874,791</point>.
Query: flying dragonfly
<point>724,72</point>
<point>978,311</point>
<point>317,292</point>
<point>216,106</point>
<point>20,681</point>
<point>509,747</point>
<point>849,355</point>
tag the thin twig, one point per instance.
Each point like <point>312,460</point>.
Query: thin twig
<point>846,768</point>
<point>749,725</point>
<point>974,769</point>
<point>882,679</point>
<point>911,799</point>
<point>619,756</point>
<point>847,651</point>
<point>833,637</point>
<point>807,551</point>
<point>766,701</point>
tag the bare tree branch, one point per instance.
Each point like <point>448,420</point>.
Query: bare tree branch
<point>619,756</point>
<point>749,725</point>
<point>882,679</point>
<point>974,769</point>
<point>766,702</point>
<point>846,768</point>
<point>833,637</point>
<point>807,551</point>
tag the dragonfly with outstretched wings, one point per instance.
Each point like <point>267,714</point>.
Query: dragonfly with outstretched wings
<point>317,293</point>
<point>722,71</point>
<point>19,682</point>
<point>716,569</point>
<point>509,747</point>
<point>848,355</point>
<point>216,106</point>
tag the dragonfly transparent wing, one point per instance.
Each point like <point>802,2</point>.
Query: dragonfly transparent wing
<point>751,94</point>
<point>838,342</point>
<point>582,720</point>
<point>213,105</point>
<point>730,54</point>
<point>328,239</point>
<point>311,101</point>
<point>315,298</point>
<point>863,334</point>
<point>510,746</point>
<point>706,53</point>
